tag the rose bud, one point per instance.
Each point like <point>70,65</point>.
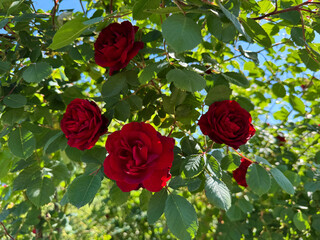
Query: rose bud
<point>139,156</point>
<point>240,173</point>
<point>115,46</point>
<point>83,124</point>
<point>226,122</point>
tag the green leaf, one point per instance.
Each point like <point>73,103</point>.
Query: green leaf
<point>217,193</point>
<point>181,32</point>
<point>83,189</point>
<point>250,55</point>
<point>60,172</point>
<point>291,16</point>
<point>234,213</point>
<point>218,93</point>
<point>68,33</point>
<point>235,21</point>
<point>22,143</point>
<point>258,179</point>
<point>189,146</point>
<point>300,220</point>
<point>236,78</point>
<point>149,71</point>
<point>95,155</point>
<point>15,100</point>
<point>281,179</point>
<point>181,217</point>
<point>114,85</point>
<point>139,7</point>
<point>263,160</point>
<point>156,206</point>
<point>308,60</point>
<point>279,90</point>
<point>166,10</point>
<point>213,166</point>
<point>135,102</point>
<point>297,36</point>
<point>122,111</point>
<point>223,31</point>
<point>151,36</point>
<point>93,20</point>
<point>4,67</point>
<point>257,32</point>
<point>35,73</point>
<point>245,206</point>
<point>117,196</point>
<point>194,165</point>
<point>5,163</point>
<point>186,80</point>
<point>297,104</point>
<point>12,116</point>
<point>245,103</point>
<point>56,142</point>
<point>26,178</point>
<point>282,114</point>
<point>15,5</point>
<point>311,186</point>
<point>230,162</point>
<point>144,199</point>
<point>41,192</point>
<point>3,22</point>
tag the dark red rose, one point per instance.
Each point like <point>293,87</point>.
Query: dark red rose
<point>139,157</point>
<point>240,173</point>
<point>115,46</point>
<point>226,122</point>
<point>281,138</point>
<point>83,124</point>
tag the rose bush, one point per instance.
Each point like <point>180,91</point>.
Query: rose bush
<point>226,122</point>
<point>83,124</point>
<point>139,157</point>
<point>240,173</point>
<point>115,46</point>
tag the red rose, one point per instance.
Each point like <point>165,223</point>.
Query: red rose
<point>139,157</point>
<point>226,122</point>
<point>281,139</point>
<point>115,46</point>
<point>83,124</point>
<point>240,173</point>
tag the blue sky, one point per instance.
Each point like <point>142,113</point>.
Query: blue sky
<point>47,5</point>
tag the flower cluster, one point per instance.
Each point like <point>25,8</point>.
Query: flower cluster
<point>138,155</point>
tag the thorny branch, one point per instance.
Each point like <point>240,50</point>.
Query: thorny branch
<point>54,11</point>
<point>304,39</point>
<point>6,232</point>
<point>294,8</point>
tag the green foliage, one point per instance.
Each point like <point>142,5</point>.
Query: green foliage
<point>181,217</point>
<point>262,55</point>
<point>181,33</point>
